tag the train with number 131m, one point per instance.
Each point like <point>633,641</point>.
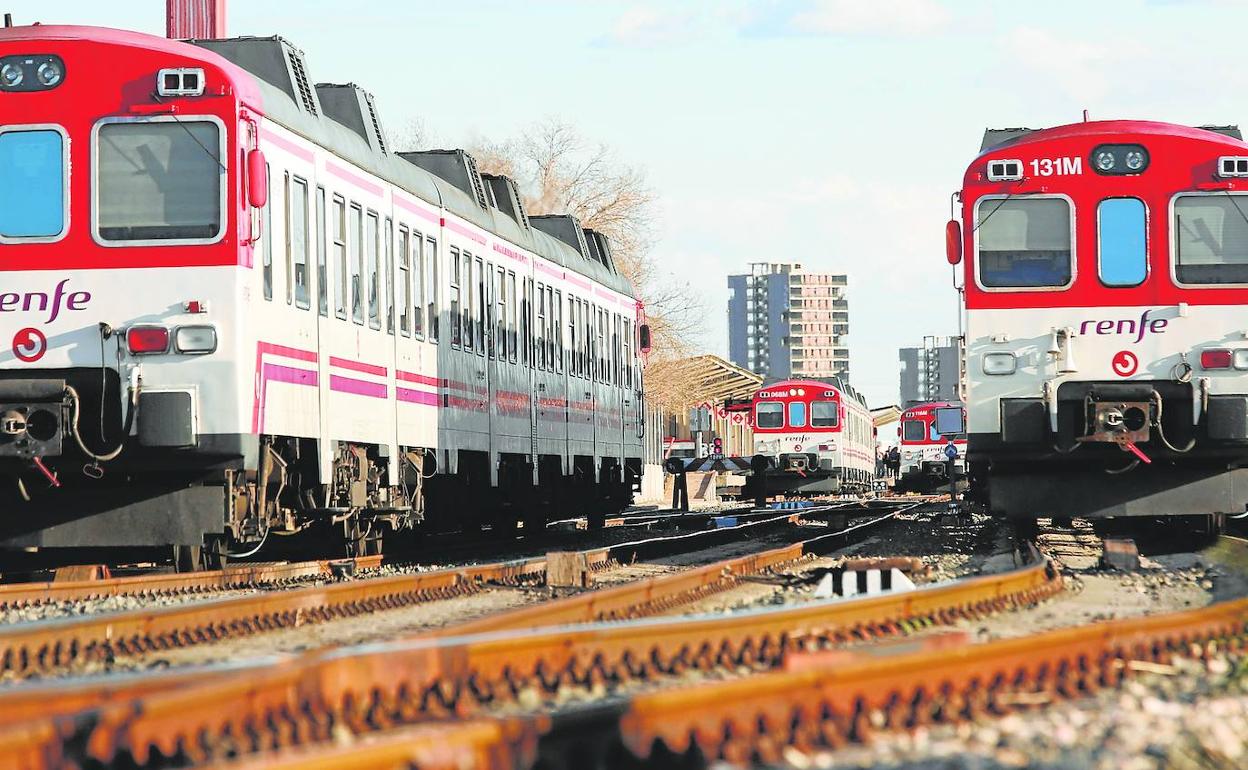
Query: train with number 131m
<point>231,314</point>
<point>1105,266</point>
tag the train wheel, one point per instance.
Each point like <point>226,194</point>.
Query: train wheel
<point>214,553</point>
<point>188,558</point>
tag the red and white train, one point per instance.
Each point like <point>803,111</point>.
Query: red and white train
<point>812,437</point>
<point>923,465</point>
<point>228,310</point>
<point>1106,274</point>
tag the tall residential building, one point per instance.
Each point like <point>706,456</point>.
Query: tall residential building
<point>932,372</point>
<point>786,322</point>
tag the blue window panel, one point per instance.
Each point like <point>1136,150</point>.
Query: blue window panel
<point>1122,241</point>
<point>32,184</point>
<point>797,414</point>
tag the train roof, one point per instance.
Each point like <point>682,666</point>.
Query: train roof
<point>997,138</point>
<point>833,382</point>
<point>271,76</point>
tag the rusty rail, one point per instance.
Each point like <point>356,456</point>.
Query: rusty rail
<point>168,584</point>
<point>363,690</point>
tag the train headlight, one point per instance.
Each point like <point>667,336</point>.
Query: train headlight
<point>1120,159</point>
<point>48,74</point>
<point>31,73</point>
<point>1241,359</point>
<point>1000,363</point>
<point>195,340</point>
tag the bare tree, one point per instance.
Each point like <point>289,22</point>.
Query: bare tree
<point>559,171</point>
<point>412,135</point>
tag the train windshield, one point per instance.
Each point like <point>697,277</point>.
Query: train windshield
<point>823,414</point>
<point>770,415</point>
<point>1023,242</point>
<point>797,414</point>
<point>32,183</point>
<point>1211,238</point>
<point>914,430</point>
<point>159,181</point>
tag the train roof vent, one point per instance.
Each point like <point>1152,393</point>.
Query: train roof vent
<point>455,166</point>
<point>566,228</point>
<point>1231,131</point>
<point>353,107</point>
<point>600,249</point>
<point>273,60</point>
<point>994,137</point>
<point>506,197</point>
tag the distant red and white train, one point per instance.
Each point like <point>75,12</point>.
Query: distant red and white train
<point>1106,279</point>
<point>923,464</point>
<point>817,437</point>
<point>228,309</point>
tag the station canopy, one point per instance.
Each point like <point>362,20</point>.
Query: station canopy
<point>684,382</point>
<point>883,415</point>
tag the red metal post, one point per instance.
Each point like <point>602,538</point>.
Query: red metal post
<point>199,19</point>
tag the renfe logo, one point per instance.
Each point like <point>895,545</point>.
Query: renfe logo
<point>1126,326</point>
<point>37,301</point>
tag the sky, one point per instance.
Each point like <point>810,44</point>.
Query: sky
<point>826,132</point>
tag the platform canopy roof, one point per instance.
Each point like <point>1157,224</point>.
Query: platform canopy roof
<point>883,415</point>
<point>685,382</point>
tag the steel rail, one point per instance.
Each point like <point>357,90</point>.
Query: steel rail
<point>168,584</point>
<point>370,688</point>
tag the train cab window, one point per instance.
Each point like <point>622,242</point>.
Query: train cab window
<point>372,241</point>
<point>1211,239</point>
<point>797,414</point>
<point>823,414</point>
<point>1023,243</point>
<point>33,164</point>
<point>297,243</point>
<point>770,414</point>
<point>913,430</point>
<point>405,283</point>
<point>159,180</point>
<point>266,242</point>
<point>1122,241</point>
<point>355,247</point>
<point>338,227</point>
<point>431,288</point>
<point>322,268</point>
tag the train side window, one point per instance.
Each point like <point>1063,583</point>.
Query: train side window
<point>389,282</point>
<point>1024,243</point>
<point>297,243</point>
<point>1122,241</point>
<point>372,244</point>
<point>1211,238</point>
<point>770,414</point>
<point>556,331</point>
<point>823,414</point>
<point>420,284</point>
<point>539,355</point>
<point>481,279</point>
<point>512,325</point>
<point>603,374</point>
<point>913,430</point>
<point>405,282</point>
<point>322,267</point>
<point>526,348</point>
<point>490,295</point>
<point>572,368</point>
<point>470,300</point>
<point>797,414</point>
<point>500,319</point>
<point>267,238</point>
<point>338,220</point>
<point>355,247</point>
<point>628,353</point>
<point>455,299</point>
<point>431,286</point>
<point>34,165</point>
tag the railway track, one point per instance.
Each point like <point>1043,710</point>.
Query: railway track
<point>489,666</point>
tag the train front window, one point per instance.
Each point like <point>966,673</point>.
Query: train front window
<point>770,415</point>
<point>797,414</point>
<point>913,430</point>
<point>823,414</point>
<point>159,181</point>
<point>32,183</point>
<point>1211,238</point>
<point>1023,243</point>
<point>1122,243</point>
